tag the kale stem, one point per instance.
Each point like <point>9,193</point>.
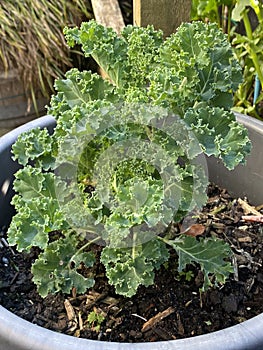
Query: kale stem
<point>84,247</point>
<point>134,251</point>
<point>169,241</point>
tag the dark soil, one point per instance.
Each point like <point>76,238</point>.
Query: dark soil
<point>187,312</point>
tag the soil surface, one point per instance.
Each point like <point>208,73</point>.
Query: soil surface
<point>173,306</point>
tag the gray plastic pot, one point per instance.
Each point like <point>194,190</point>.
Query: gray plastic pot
<point>18,334</point>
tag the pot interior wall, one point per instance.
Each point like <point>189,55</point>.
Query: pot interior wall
<point>243,181</point>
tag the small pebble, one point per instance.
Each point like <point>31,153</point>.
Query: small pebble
<point>133,333</point>
<point>122,336</point>
<point>5,260</point>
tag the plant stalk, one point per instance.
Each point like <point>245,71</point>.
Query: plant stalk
<point>252,51</point>
<point>134,250</point>
<point>84,247</point>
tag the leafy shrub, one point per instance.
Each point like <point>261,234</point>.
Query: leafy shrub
<point>126,158</point>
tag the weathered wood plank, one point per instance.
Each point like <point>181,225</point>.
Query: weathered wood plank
<point>163,14</point>
<point>108,13</point>
<point>15,108</point>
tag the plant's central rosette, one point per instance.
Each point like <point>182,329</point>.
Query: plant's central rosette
<point>129,176</point>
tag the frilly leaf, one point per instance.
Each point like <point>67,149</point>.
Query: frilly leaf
<point>38,211</point>
<point>200,56</point>
<point>56,269</point>
<point>34,145</point>
<point>219,134</point>
<point>103,44</point>
<point>82,87</point>
<point>127,271</point>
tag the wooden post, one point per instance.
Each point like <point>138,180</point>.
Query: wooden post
<point>108,13</point>
<point>162,14</point>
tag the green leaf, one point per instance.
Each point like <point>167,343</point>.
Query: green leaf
<point>219,134</point>
<point>82,87</point>
<point>239,8</point>
<point>25,230</point>
<point>36,145</point>
<point>56,269</point>
<point>29,181</point>
<point>155,252</point>
<point>211,254</point>
<point>129,268</point>
<point>235,146</point>
<point>103,44</point>
<point>38,210</point>
<point>202,9</point>
<point>142,48</point>
<point>202,60</point>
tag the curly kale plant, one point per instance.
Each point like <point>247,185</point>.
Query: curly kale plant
<point>126,158</point>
